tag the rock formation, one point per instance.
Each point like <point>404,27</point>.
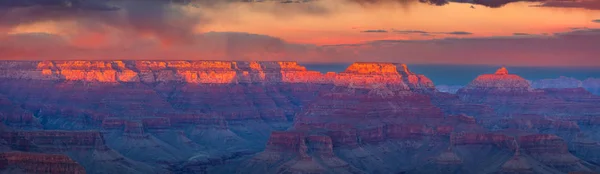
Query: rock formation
<point>510,94</point>
<point>280,117</point>
<point>517,164</point>
<point>39,163</point>
<point>590,84</point>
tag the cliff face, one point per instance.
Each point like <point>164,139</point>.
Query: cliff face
<point>47,141</point>
<point>499,81</point>
<point>39,163</point>
<point>511,94</point>
<point>150,116</point>
<point>590,84</point>
<point>14,115</point>
<point>198,72</point>
<point>368,75</point>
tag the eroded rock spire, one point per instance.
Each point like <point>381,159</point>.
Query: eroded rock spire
<point>502,71</point>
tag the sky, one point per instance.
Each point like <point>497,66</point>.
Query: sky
<point>490,32</point>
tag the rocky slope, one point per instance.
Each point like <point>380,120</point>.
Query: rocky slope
<point>510,94</point>
<point>279,117</point>
<point>16,162</point>
<point>590,84</point>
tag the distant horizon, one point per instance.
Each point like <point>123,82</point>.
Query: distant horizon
<point>463,74</point>
<point>448,74</point>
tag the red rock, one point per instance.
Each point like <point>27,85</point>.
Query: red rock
<point>15,115</point>
<point>372,135</point>
<point>320,145</point>
<point>467,138</point>
<point>369,75</point>
<point>542,143</point>
<point>206,120</point>
<point>573,94</point>
<point>510,94</point>
<point>113,123</point>
<point>501,81</point>
<point>408,131</point>
<point>462,118</point>
<point>40,163</point>
<point>530,121</point>
<point>285,141</point>
<point>348,138</point>
<point>156,123</point>
<point>452,105</point>
<point>46,140</point>
<point>517,164</point>
<point>134,127</point>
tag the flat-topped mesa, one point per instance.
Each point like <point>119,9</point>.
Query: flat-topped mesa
<point>392,75</point>
<point>359,75</point>
<point>499,81</point>
<point>197,72</point>
<point>40,163</point>
<point>368,75</point>
<point>92,71</point>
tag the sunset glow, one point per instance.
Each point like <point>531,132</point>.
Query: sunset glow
<point>303,31</point>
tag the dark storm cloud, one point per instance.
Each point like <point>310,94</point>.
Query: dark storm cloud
<point>586,4</point>
<point>160,18</point>
<point>487,3</point>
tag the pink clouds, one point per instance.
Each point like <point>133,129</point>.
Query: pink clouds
<point>574,48</point>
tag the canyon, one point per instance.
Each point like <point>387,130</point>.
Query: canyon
<point>279,117</point>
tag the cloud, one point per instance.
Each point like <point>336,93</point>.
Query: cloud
<point>459,33</point>
<point>374,31</point>
<point>573,48</point>
<point>596,21</point>
<point>586,4</point>
<point>431,33</point>
<point>170,21</point>
<point>211,45</point>
<point>487,3</point>
<point>411,32</point>
<point>162,19</point>
<point>521,34</point>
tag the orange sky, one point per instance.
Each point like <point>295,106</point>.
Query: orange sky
<point>342,22</point>
<point>337,27</point>
<point>305,32</point>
